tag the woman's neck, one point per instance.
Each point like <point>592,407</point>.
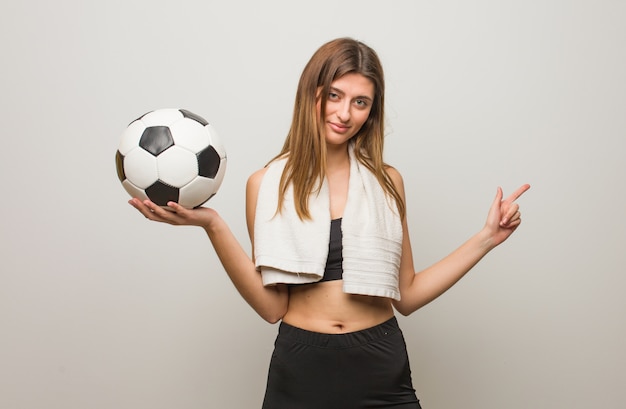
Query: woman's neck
<point>337,158</point>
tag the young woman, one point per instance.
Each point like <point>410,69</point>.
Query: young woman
<point>332,257</point>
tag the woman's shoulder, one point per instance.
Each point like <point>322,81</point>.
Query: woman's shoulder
<point>396,178</point>
<point>256,177</point>
<point>253,186</point>
<point>393,173</point>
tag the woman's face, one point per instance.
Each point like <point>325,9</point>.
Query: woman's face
<point>348,105</point>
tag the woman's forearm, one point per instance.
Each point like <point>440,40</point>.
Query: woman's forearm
<point>269,302</point>
<point>435,280</point>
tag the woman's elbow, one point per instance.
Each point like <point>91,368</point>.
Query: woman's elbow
<point>272,308</point>
<point>275,311</point>
<point>271,319</point>
<point>273,315</point>
<point>404,309</point>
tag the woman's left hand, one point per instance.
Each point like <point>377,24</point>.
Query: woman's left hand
<point>504,216</point>
<point>175,214</point>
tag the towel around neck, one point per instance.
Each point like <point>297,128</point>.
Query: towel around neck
<point>294,251</point>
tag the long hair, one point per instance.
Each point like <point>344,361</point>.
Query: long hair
<point>305,147</point>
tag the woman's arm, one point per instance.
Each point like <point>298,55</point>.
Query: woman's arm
<point>420,288</point>
<point>269,302</point>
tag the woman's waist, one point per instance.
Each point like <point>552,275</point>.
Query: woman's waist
<point>325,308</point>
<point>351,339</point>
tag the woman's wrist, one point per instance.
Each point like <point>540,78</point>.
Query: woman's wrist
<point>485,239</point>
<point>212,224</point>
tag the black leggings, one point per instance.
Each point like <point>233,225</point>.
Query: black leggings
<point>358,370</point>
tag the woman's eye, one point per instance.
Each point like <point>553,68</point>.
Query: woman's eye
<point>333,96</point>
<point>361,103</point>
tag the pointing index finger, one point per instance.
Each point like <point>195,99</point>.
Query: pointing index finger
<point>515,195</point>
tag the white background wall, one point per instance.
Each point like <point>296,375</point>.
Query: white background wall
<point>101,309</point>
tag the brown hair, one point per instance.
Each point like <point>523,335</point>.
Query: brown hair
<point>305,146</point>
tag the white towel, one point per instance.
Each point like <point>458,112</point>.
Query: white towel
<point>289,250</point>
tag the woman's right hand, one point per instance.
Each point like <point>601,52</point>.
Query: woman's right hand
<point>177,216</point>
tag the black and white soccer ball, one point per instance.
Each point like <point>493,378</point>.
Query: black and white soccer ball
<point>171,155</point>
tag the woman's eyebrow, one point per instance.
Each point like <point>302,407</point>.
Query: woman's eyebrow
<point>338,91</point>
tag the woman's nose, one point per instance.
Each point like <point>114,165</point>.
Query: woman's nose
<point>343,112</point>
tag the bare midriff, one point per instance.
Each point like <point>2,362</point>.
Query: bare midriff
<point>324,307</point>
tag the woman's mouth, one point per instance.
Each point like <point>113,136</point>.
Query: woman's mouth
<point>339,128</point>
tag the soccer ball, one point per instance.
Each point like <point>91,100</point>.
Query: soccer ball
<point>171,155</point>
